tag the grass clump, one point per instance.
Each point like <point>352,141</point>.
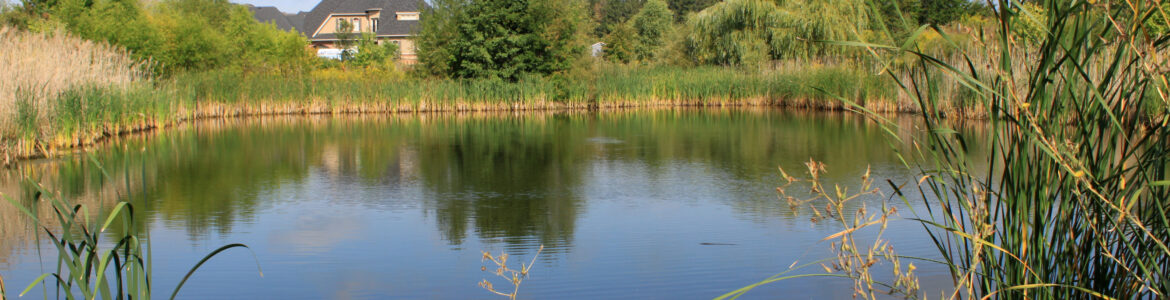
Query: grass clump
<point>88,266</point>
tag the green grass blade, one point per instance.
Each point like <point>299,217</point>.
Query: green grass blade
<point>114,214</point>
<point>208,257</point>
<point>34,284</point>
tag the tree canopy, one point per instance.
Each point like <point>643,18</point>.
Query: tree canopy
<point>179,35</point>
<point>652,24</point>
<point>752,31</point>
<point>502,39</point>
<point>683,7</point>
<point>609,14</point>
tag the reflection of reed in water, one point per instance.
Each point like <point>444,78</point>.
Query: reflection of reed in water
<point>16,228</point>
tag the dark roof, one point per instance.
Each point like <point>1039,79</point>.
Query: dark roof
<point>269,14</point>
<point>387,25</point>
<point>298,21</point>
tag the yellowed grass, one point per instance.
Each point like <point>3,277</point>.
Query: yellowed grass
<point>48,64</point>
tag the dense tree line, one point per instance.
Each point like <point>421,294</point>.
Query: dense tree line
<point>176,35</point>
<point>643,37</point>
<point>609,14</point>
<point>502,39</point>
<point>505,39</point>
<point>190,35</point>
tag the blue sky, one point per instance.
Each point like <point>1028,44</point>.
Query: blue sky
<point>288,6</point>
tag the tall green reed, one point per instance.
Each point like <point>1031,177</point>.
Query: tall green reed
<point>27,114</point>
<point>89,266</point>
<point>611,84</point>
<point>1073,200</point>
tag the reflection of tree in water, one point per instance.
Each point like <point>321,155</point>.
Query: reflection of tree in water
<point>225,170</point>
<point>514,180</point>
<point>745,146</point>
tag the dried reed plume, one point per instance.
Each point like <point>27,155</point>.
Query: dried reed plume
<point>513,276</point>
<point>41,66</point>
<point>853,259</point>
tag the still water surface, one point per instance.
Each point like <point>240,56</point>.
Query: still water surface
<point>402,206</point>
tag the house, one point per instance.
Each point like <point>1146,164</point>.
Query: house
<point>392,21</point>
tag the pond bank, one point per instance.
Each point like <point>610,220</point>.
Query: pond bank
<point>27,149</point>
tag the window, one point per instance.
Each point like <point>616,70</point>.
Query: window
<point>407,16</point>
<point>340,23</point>
<point>374,24</point>
<point>357,25</point>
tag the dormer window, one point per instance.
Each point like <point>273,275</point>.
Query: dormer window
<point>407,16</point>
<point>374,24</point>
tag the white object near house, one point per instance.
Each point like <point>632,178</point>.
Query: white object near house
<point>597,49</point>
<point>329,53</point>
<point>334,53</point>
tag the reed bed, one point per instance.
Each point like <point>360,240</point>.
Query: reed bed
<point>39,67</point>
<point>84,115</point>
<point>613,86</point>
<point>1074,198</point>
<point>1073,201</point>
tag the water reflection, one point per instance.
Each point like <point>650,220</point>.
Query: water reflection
<point>518,181</point>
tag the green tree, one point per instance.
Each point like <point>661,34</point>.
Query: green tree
<point>652,24</point>
<point>505,38</point>
<point>736,32</point>
<point>615,12</point>
<point>345,39</point>
<point>899,16</point>
<point>121,23</point>
<point>683,7</point>
<point>437,33</point>
<point>191,45</point>
<point>181,34</point>
<point>372,54</point>
<point>620,44</point>
<point>941,12</point>
<point>261,47</point>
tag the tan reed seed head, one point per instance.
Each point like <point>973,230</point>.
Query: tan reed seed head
<point>46,64</point>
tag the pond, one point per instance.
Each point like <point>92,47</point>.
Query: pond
<point>642,204</point>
